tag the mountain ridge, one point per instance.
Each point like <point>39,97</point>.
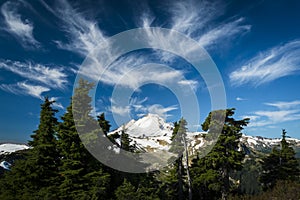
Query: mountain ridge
<point>152,133</point>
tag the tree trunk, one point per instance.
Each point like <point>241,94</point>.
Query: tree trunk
<point>180,182</point>
<point>188,170</point>
<point>225,188</point>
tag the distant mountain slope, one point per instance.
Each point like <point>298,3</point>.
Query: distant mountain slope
<point>10,148</point>
<point>151,133</point>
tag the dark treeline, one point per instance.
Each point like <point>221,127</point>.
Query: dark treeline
<point>58,166</point>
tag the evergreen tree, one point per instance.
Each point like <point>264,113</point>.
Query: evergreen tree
<point>172,184</point>
<point>167,179</point>
<point>125,141</point>
<point>44,155</point>
<point>280,164</point>
<point>147,187</point>
<point>83,176</point>
<point>210,174</point>
<point>126,191</point>
<point>74,159</point>
<point>103,123</point>
<point>144,191</point>
<point>36,176</point>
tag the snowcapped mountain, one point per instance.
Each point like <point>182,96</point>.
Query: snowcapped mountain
<point>151,133</point>
<point>6,154</point>
<point>265,145</point>
<point>148,133</point>
<point>10,148</point>
<point>150,125</point>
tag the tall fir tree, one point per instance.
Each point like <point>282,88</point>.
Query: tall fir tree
<point>83,176</point>
<point>125,141</point>
<point>36,177</point>
<point>44,151</point>
<point>280,164</point>
<point>210,174</point>
<point>172,184</point>
<point>103,123</point>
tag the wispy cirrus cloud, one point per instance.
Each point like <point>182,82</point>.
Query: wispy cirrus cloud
<point>21,29</point>
<point>224,32</point>
<point>141,108</point>
<point>284,105</point>
<point>189,18</point>
<point>284,112</point>
<point>51,76</point>
<point>56,103</point>
<point>195,20</point>
<point>38,78</point>
<point>23,88</point>
<point>279,61</point>
<point>191,83</point>
<point>120,110</point>
<point>158,109</point>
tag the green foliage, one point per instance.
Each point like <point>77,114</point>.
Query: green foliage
<point>37,174</point>
<point>82,174</point>
<point>103,123</point>
<point>210,174</point>
<point>126,191</point>
<point>59,166</point>
<point>172,185</point>
<point>281,190</point>
<point>168,183</point>
<point>144,191</point>
<point>248,177</point>
<point>280,164</point>
<point>178,135</point>
<point>125,141</point>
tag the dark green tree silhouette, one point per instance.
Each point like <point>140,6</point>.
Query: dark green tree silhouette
<point>83,176</point>
<point>125,141</point>
<point>280,164</point>
<point>210,174</point>
<point>172,178</point>
<point>36,177</point>
<point>103,123</point>
<point>126,191</point>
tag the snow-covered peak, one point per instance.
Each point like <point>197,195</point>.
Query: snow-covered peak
<point>151,125</point>
<point>10,148</point>
<point>151,133</point>
<point>266,144</point>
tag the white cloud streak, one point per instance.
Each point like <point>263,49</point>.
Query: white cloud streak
<point>23,88</point>
<point>190,18</point>
<point>52,77</point>
<point>119,110</point>
<point>191,83</point>
<point>284,105</point>
<point>224,32</point>
<point>279,61</point>
<point>159,110</point>
<point>21,29</point>
<point>140,109</point>
<point>240,99</point>
<point>56,104</point>
<point>286,111</point>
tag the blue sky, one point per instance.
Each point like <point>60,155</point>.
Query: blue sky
<point>254,44</point>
